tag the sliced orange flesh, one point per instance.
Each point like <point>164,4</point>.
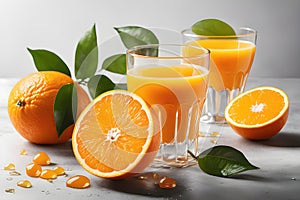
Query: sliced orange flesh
<point>259,113</point>
<point>113,134</point>
<point>257,107</point>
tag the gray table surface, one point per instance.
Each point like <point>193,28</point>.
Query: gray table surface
<point>277,178</point>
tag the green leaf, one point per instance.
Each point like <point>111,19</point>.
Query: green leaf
<point>65,107</point>
<point>223,161</point>
<point>115,63</point>
<point>134,35</point>
<point>212,27</point>
<point>99,84</point>
<point>86,56</point>
<point>45,60</point>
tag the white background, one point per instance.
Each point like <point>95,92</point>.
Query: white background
<point>57,25</point>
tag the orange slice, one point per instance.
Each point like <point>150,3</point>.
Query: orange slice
<point>114,136</point>
<point>259,113</point>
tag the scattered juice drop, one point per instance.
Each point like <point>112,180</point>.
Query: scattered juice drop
<point>10,190</point>
<point>14,173</point>
<point>48,174</point>
<point>41,159</point>
<point>142,177</point>
<point>10,166</point>
<point>215,134</point>
<point>33,170</point>
<point>155,175</point>
<point>148,175</point>
<point>167,183</point>
<point>23,152</point>
<point>59,171</point>
<point>200,134</point>
<point>78,181</point>
<point>24,184</point>
<point>214,141</point>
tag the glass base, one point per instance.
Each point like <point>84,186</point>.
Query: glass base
<point>176,163</point>
<point>215,105</point>
<point>212,119</point>
<point>175,155</point>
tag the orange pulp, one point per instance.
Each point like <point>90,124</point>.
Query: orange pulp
<point>231,61</point>
<point>176,90</point>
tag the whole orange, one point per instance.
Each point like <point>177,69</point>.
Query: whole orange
<point>31,106</point>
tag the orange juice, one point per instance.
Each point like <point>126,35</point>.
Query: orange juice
<point>231,61</point>
<point>177,91</point>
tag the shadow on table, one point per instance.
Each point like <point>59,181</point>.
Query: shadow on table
<point>283,139</point>
<point>141,187</point>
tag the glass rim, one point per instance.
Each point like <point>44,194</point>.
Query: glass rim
<point>131,51</point>
<point>189,33</point>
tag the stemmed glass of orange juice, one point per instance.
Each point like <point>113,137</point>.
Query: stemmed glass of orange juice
<point>231,60</point>
<point>173,82</point>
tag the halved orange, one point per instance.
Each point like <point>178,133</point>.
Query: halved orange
<point>114,136</point>
<point>259,113</point>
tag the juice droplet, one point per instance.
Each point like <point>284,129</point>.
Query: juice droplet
<point>33,170</point>
<point>155,175</point>
<point>14,173</point>
<point>201,134</point>
<point>214,141</point>
<point>59,171</point>
<point>10,166</point>
<point>167,183</point>
<point>48,174</point>
<point>24,184</point>
<point>10,190</point>
<point>142,177</point>
<point>9,178</point>
<point>23,152</point>
<point>215,134</point>
<point>41,159</point>
<point>78,181</point>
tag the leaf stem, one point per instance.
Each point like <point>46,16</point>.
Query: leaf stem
<point>192,155</point>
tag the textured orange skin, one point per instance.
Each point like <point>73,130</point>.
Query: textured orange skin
<point>31,105</point>
<point>263,132</point>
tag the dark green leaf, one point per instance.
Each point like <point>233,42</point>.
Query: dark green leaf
<point>65,107</point>
<point>212,27</point>
<point>135,35</point>
<point>223,161</point>
<point>99,84</point>
<point>115,63</point>
<point>86,56</point>
<point>45,60</point>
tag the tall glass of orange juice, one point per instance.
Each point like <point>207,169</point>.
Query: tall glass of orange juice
<point>173,82</point>
<point>231,61</point>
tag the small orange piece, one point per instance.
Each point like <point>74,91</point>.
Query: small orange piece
<point>259,113</point>
<point>33,170</point>
<point>59,171</point>
<point>78,181</point>
<point>113,137</point>
<point>48,174</point>
<point>10,166</point>
<point>41,158</point>
<point>31,106</point>
<point>167,183</point>
<point>24,184</point>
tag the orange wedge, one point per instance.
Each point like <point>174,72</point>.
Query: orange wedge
<point>259,113</point>
<point>114,136</point>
